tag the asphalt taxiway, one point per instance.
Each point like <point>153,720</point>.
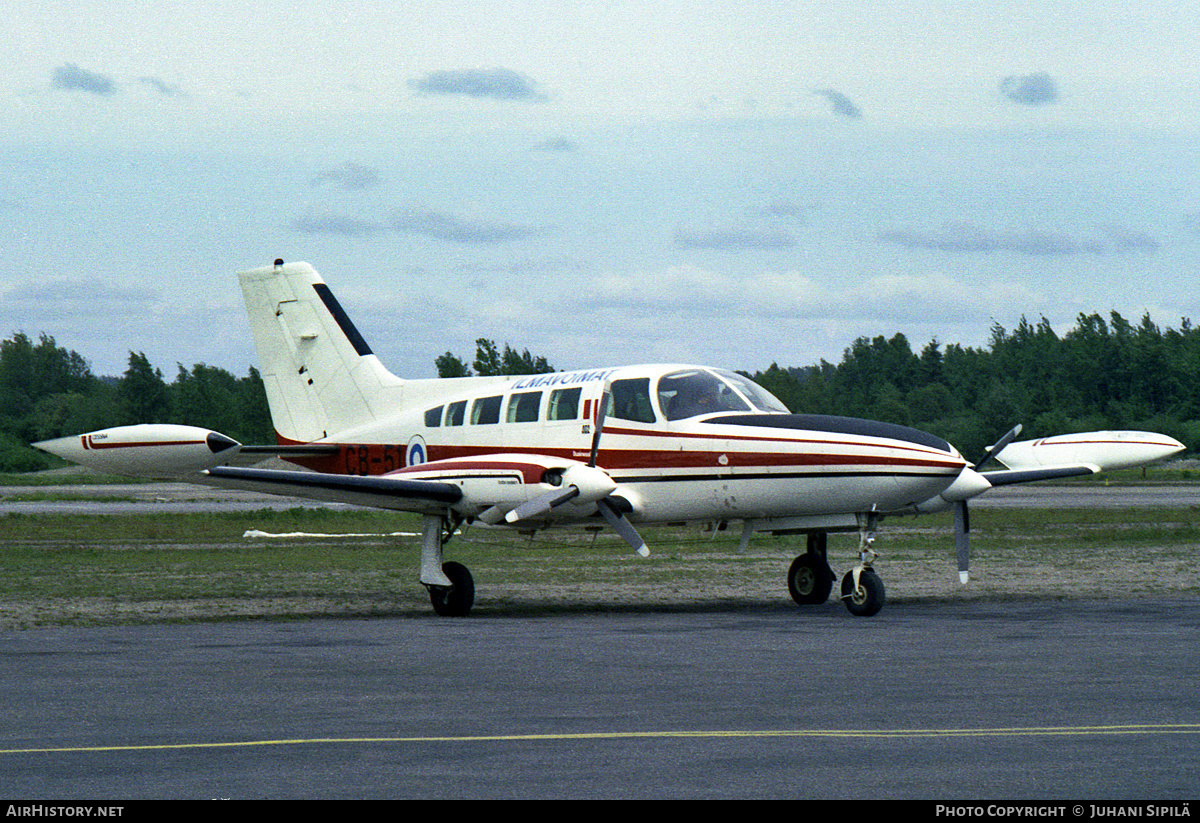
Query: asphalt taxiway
<point>1036,699</point>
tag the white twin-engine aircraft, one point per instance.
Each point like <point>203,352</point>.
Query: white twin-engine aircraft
<point>621,446</point>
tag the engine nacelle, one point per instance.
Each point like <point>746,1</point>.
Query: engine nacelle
<point>968,484</point>
<point>146,450</point>
<point>495,484</point>
<point>1110,450</point>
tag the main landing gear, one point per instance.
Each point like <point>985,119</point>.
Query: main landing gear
<point>451,587</point>
<point>810,580</point>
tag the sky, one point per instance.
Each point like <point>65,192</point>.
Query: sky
<point>725,183</point>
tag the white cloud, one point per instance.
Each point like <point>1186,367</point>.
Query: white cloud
<point>349,176</point>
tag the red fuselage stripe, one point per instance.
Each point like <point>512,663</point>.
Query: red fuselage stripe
<point>92,444</point>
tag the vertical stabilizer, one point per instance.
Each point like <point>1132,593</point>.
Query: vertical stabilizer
<point>320,375</point>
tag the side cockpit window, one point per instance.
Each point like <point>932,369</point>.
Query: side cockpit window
<point>694,392</point>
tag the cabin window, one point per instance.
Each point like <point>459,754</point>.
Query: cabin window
<point>455,413</point>
<point>630,400</point>
<point>433,417</point>
<point>694,392</point>
<point>523,408</point>
<point>564,404</point>
<point>486,410</point>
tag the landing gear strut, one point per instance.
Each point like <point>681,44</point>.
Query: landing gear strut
<point>810,579</point>
<point>451,587</point>
<point>862,590</point>
<point>864,596</point>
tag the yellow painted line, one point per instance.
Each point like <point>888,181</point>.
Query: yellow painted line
<point>1033,731</point>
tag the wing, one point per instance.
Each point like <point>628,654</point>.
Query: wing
<point>1012,476</point>
<point>383,492</point>
<point>1027,461</point>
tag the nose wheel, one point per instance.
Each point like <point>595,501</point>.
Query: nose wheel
<point>862,589</point>
<point>862,592</point>
<point>810,579</point>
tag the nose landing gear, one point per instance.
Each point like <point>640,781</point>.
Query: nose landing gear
<point>810,579</point>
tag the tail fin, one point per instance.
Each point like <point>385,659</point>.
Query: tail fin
<point>320,375</point>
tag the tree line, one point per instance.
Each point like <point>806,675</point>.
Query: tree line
<point>1101,374</point>
<point>47,392</point>
<point>489,361</point>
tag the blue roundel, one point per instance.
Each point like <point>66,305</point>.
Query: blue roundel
<point>416,452</point>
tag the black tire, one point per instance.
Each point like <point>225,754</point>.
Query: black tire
<point>457,600</point>
<point>869,597</point>
<point>809,580</point>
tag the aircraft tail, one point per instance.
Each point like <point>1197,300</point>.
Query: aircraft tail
<point>320,375</point>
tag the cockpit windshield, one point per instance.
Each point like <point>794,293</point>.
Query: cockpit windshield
<point>759,397</point>
<point>694,392</point>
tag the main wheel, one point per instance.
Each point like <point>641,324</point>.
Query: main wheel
<point>868,598</point>
<point>809,580</point>
<point>457,600</point>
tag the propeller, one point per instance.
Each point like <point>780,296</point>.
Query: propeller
<point>999,445</point>
<point>622,526</point>
<point>589,481</point>
<point>962,515</point>
<point>542,504</point>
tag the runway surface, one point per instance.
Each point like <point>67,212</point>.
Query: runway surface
<point>1037,699</point>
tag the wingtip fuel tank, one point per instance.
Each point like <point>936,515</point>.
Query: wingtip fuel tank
<point>151,449</point>
<point>1110,450</point>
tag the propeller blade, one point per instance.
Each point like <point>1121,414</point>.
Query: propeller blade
<point>962,540</point>
<point>601,413</point>
<point>999,445</point>
<point>541,504</point>
<point>622,526</point>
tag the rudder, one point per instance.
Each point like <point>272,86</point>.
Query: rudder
<point>320,375</point>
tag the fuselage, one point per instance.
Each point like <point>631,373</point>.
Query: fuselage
<point>682,443</point>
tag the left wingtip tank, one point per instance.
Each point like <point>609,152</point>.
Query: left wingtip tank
<point>1110,450</point>
<point>149,449</point>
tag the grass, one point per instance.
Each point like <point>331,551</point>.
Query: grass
<point>112,569</point>
<point>73,476</point>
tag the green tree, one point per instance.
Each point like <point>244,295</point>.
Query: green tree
<point>523,363</point>
<point>487,359</point>
<point>142,395</point>
<point>449,365</point>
